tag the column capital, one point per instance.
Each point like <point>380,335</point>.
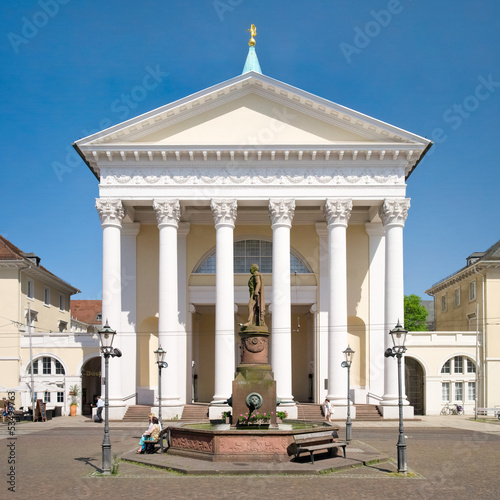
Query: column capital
<point>338,211</point>
<point>168,212</point>
<point>110,211</point>
<point>224,211</point>
<point>394,211</point>
<point>281,211</point>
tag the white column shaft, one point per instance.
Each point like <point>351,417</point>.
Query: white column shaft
<point>337,321</point>
<point>393,214</point>
<point>168,322</point>
<point>224,213</point>
<point>129,311</point>
<point>111,214</point>
<point>282,309</point>
<point>224,313</point>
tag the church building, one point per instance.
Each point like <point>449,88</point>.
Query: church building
<point>252,171</point>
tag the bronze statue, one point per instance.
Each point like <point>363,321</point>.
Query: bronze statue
<point>257,303</point>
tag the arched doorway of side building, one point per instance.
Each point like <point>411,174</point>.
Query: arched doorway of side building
<point>91,383</point>
<point>414,383</point>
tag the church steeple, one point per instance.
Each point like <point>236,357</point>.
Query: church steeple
<point>252,62</point>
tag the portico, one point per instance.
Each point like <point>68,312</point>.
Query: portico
<point>252,168</point>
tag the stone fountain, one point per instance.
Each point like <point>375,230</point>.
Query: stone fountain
<point>253,434</point>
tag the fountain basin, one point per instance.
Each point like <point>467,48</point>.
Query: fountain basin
<point>220,443</point>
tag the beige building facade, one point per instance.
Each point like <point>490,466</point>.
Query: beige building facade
<point>36,327</point>
<point>467,306</point>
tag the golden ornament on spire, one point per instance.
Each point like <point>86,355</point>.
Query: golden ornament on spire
<point>253,32</point>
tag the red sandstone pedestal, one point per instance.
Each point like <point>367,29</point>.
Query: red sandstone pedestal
<point>254,379</point>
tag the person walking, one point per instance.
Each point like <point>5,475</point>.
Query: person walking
<point>100,406</point>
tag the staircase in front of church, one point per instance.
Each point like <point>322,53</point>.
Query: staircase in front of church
<point>195,413</point>
<point>137,413</point>
<point>312,411</point>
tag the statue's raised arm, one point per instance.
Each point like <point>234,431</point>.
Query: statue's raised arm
<point>257,302</point>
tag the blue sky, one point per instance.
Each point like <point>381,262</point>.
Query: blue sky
<point>429,67</point>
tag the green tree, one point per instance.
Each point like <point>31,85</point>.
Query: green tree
<point>415,314</point>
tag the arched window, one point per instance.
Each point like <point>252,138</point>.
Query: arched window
<point>46,366</point>
<point>248,252</point>
<point>458,380</point>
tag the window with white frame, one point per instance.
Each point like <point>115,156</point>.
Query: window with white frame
<point>46,296</point>
<point>471,366</point>
<point>457,297</point>
<point>458,374</point>
<point>248,252</point>
<point>60,397</point>
<point>472,290</point>
<point>46,397</point>
<point>471,391</point>
<point>443,303</point>
<point>458,364</point>
<point>30,289</point>
<point>49,366</point>
<point>445,391</point>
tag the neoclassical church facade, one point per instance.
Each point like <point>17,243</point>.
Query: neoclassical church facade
<point>252,170</point>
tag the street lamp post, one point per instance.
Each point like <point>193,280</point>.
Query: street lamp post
<point>106,336</point>
<point>349,354</point>
<point>160,359</point>
<point>398,335</point>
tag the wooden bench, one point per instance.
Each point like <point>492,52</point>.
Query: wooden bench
<point>318,441</point>
<point>485,411</point>
<point>150,446</point>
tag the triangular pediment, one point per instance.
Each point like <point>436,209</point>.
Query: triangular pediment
<point>251,109</point>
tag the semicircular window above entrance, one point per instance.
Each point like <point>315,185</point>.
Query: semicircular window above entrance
<point>248,252</point>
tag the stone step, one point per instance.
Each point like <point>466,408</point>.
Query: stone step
<point>195,413</point>
<point>137,413</point>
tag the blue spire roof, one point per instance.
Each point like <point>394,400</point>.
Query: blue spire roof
<point>252,62</point>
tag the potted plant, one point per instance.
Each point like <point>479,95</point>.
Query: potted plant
<point>226,417</point>
<point>280,416</point>
<point>74,392</point>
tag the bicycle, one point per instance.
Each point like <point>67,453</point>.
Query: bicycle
<point>452,409</point>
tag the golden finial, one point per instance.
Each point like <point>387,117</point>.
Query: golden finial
<point>253,32</point>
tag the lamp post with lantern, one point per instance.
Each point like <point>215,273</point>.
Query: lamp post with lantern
<point>106,336</point>
<point>160,360</point>
<point>398,334</point>
<point>349,354</point>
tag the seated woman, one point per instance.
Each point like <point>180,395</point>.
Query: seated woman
<point>152,434</point>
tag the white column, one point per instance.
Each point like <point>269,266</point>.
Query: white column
<point>376,323</point>
<point>111,214</point>
<point>322,313</point>
<point>129,311</point>
<point>337,213</point>
<point>281,213</point>
<point>393,214</point>
<point>184,339</point>
<point>168,214</point>
<point>224,212</point>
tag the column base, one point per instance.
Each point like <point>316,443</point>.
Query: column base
<point>290,407</point>
<point>392,412</point>
<point>215,410</point>
<point>341,412</point>
<point>168,412</point>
